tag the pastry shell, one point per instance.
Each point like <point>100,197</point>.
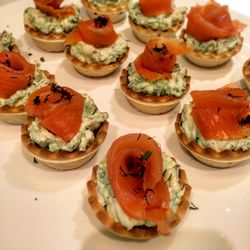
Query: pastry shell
<point>246,73</point>
<point>49,43</point>
<point>62,160</point>
<point>150,104</point>
<point>209,156</point>
<point>145,34</point>
<point>94,70</point>
<point>115,13</point>
<point>210,60</point>
<point>138,232</point>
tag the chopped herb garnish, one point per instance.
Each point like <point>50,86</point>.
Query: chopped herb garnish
<point>42,59</point>
<point>192,206</point>
<point>36,101</point>
<point>161,50</point>
<point>7,63</point>
<point>65,95</point>
<point>101,21</point>
<point>30,54</point>
<point>35,199</point>
<point>234,96</point>
<point>139,136</point>
<point>218,109</point>
<point>146,155</point>
<point>245,120</point>
<point>34,160</point>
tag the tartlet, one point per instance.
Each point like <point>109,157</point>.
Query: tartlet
<point>94,48</point>
<point>214,37</point>
<point>216,130</point>
<point>64,129</point>
<point>246,73</point>
<point>106,192</point>
<point>48,24</point>
<point>18,80</point>
<point>155,83</point>
<point>115,10</point>
<point>150,19</point>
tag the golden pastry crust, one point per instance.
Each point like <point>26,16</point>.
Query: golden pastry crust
<point>138,232</point>
<point>226,158</point>
<point>116,13</point>
<point>145,34</point>
<point>94,70</point>
<point>211,59</point>
<point>17,114</point>
<point>63,160</point>
<point>246,72</point>
<point>51,42</point>
<point>149,103</point>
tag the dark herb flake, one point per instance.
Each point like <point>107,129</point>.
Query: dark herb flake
<point>192,206</point>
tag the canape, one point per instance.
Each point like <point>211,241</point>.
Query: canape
<point>64,129</point>
<point>150,19</point>
<point>137,191</point>
<point>246,73</point>
<point>7,41</point>
<point>94,48</point>
<point>155,83</point>
<point>48,24</point>
<point>215,126</point>
<point>19,79</point>
<point>114,9</point>
<point>213,35</point>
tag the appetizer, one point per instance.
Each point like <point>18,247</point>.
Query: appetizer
<point>7,41</point>
<point>114,9</point>
<point>149,18</point>
<point>246,73</point>
<point>155,83</point>
<point>19,79</point>
<point>94,48</point>
<point>215,126</point>
<point>137,191</point>
<point>214,36</point>
<point>48,24</point>
<point>64,129</point>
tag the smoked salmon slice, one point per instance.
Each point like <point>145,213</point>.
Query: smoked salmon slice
<point>222,114</point>
<point>15,73</point>
<point>52,8</point>
<point>134,164</point>
<point>159,58</point>
<point>98,32</point>
<point>58,108</point>
<point>156,7</point>
<point>212,21</point>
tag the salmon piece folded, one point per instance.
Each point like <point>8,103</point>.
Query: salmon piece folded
<point>52,8</point>
<point>98,32</point>
<point>58,108</point>
<point>134,164</point>
<point>156,7</point>
<point>222,114</point>
<point>159,57</point>
<point>212,21</point>
<point>15,73</point>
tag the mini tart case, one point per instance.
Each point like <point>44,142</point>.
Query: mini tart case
<point>246,73</point>
<point>115,13</point>
<point>94,70</point>
<point>210,60</point>
<point>145,34</point>
<point>62,160</point>
<point>49,43</point>
<point>150,104</point>
<point>17,114</point>
<point>208,156</point>
<point>138,232</point>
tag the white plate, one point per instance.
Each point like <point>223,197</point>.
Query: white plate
<point>45,209</point>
